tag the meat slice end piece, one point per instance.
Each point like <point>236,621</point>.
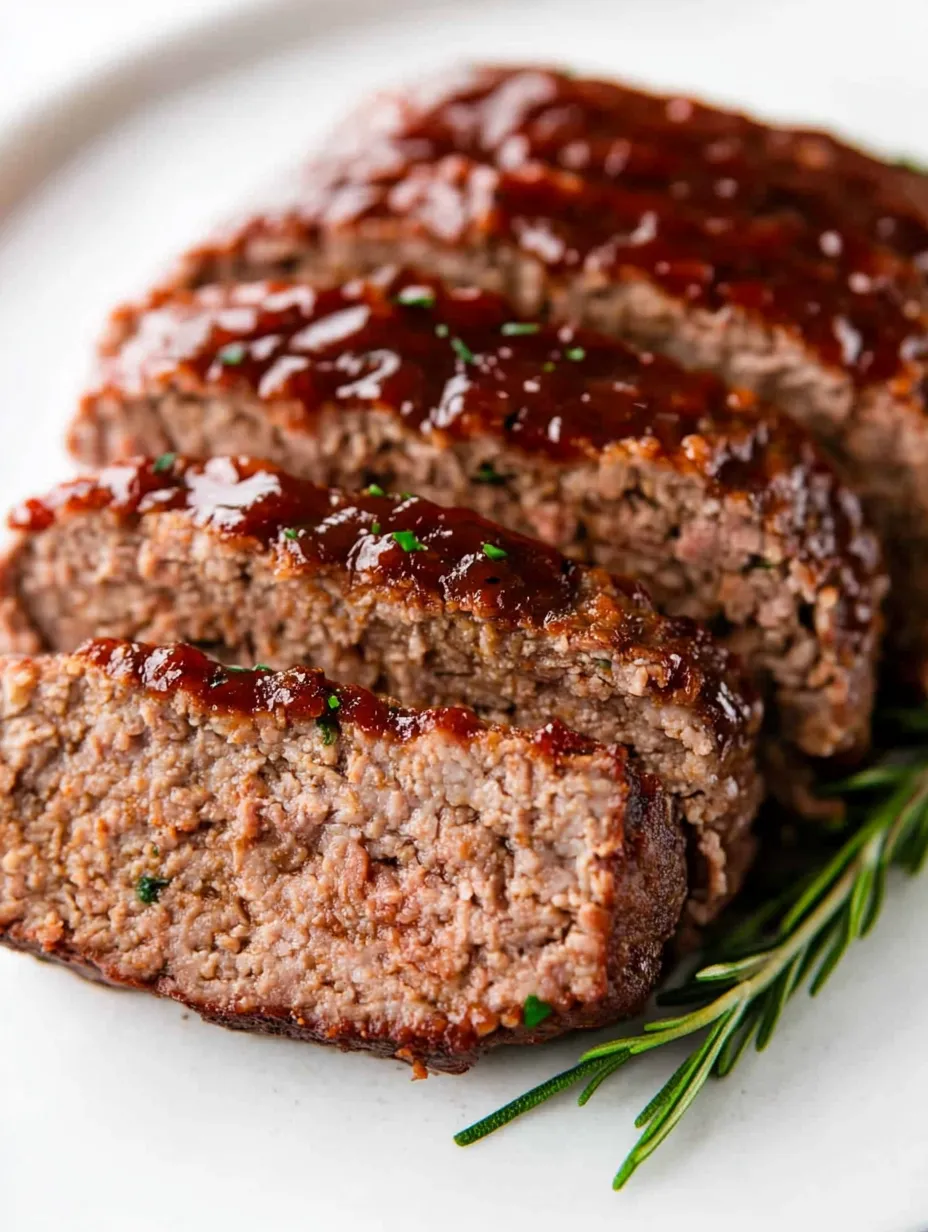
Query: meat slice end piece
<point>370,877</point>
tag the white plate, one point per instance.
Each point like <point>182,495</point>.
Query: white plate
<point>117,1111</point>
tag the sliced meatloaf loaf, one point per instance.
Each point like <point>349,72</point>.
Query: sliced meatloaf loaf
<point>825,322</point>
<point>722,506</point>
<point>288,855</point>
<point>429,604</point>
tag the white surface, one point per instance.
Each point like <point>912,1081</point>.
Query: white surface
<point>120,1112</point>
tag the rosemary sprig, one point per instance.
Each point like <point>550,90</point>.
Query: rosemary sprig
<point>793,941</point>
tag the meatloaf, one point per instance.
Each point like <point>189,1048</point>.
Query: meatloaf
<point>284,854</point>
<point>722,506</point>
<point>429,604</point>
<point>809,305</point>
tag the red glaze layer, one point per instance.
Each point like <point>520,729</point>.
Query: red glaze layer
<point>306,693</point>
<point>699,154</point>
<point>426,550</point>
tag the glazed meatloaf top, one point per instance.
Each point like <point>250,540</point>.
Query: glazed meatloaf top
<point>432,557</point>
<point>511,115</point>
<point>457,363</point>
<point>287,854</point>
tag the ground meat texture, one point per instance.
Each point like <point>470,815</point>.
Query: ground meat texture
<point>366,876</point>
<point>781,286</point>
<point>722,506</point>
<point>429,604</point>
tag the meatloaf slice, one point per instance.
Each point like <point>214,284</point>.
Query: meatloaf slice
<point>513,114</point>
<point>288,855</point>
<point>429,604</point>
<point>723,507</point>
<point>823,324</point>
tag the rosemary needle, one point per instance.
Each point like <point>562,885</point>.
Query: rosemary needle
<point>796,940</point>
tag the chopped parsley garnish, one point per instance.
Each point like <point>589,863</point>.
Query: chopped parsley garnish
<point>487,473</point>
<point>605,664</point>
<point>576,354</point>
<point>164,463</point>
<point>463,351</point>
<point>492,552</point>
<point>332,702</point>
<point>291,533</point>
<point>328,729</point>
<point>535,1011</point>
<point>407,496</point>
<point>548,366</point>
<point>232,354</point>
<point>514,329</point>
<point>262,667</point>
<point>374,489</point>
<point>375,528</point>
<point>416,297</point>
<point>407,540</point>
<point>148,889</point>
<point>441,329</point>
<point>234,667</point>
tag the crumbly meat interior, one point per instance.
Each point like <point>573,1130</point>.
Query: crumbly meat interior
<point>369,891</point>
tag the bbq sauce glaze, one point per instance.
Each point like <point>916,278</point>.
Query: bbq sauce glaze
<point>456,362</point>
<point>698,154</point>
<point>450,555</point>
<point>303,693</point>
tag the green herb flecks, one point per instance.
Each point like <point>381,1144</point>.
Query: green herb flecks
<point>487,473</point>
<point>463,351</point>
<point>575,354</point>
<point>492,552</point>
<point>375,528</point>
<point>164,463</point>
<point>374,489</point>
<point>332,702</point>
<point>516,329</point>
<point>290,532</point>
<point>605,664</point>
<point>416,297</point>
<point>262,667</point>
<point>328,729</point>
<point>794,941</point>
<point>535,1011</point>
<point>234,667</point>
<point>232,355</point>
<point>148,889</point>
<point>407,540</point>
<point>441,329</point>
<point>548,366</point>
